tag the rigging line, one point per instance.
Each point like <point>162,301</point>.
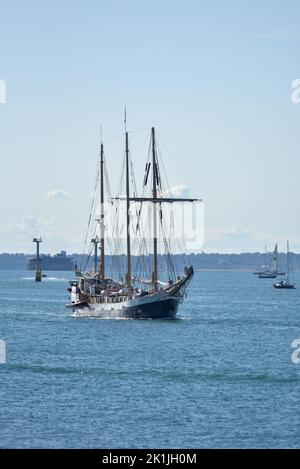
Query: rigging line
<point>139,211</point>
<point>116,226</point>
<point>141,231</point>
<point>174,162</point>
<point>113,213</point>
<point>166,243</point>
<point>169,262</point>
<point>117,232</point>
<point>168,186</point>
<point>115,137</point>
<point>114,217</point>
<point>168,252</point>
<point>90,252</point>
<point>144,261</point>
<point>87,259</point>
<point>114,260</point>
<point>147,163</point>
<point>132,176</point>
<point>139,151</point>
<point>182,246</point>
<point>92,202</point>
<point>121,183</point>
<point>171,241</point>
<point>140,261</point>
<point>139,130</point>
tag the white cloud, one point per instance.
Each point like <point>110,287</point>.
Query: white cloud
<point>58,194</point>
<point>56,235</point>
<point>239,239</point>
<point>180,190</point>
<point>32,226</point>
<point>2,92</point>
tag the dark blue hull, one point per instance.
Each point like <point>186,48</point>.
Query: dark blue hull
<point>163,309</point>
<point>267,276</point>
<point>166,309</point>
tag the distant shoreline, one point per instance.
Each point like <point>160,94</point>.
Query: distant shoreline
<point>210,262</point>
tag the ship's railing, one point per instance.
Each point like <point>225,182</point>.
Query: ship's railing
<point>107,299</point>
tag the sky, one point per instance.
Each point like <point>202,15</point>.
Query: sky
<point>213,77</point>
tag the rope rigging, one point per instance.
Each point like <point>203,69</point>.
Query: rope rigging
<point>141,223</point>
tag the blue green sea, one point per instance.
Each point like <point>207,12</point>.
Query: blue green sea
<point>220,376</point>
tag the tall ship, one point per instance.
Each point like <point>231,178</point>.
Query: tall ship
<point>146,290</point>
<point>59,261</point>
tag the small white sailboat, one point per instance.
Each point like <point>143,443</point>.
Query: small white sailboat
<point>286,283</point>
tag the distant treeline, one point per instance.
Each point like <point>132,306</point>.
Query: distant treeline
<point>202,261</point>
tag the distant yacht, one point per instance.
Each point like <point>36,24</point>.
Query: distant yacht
<point>271,271</point>
<point>286,282</point>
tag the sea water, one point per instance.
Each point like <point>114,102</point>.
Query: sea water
<point>221,376</point>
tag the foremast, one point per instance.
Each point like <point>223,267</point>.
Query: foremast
<point>154,196</point>
<point>101,221</point>
<point>288,262</point>
<point>128,274</point>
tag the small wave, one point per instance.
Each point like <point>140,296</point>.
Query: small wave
<point>55,279</point>
<point>165,374</point>
<point>91,315</point>
<point>46,279</point>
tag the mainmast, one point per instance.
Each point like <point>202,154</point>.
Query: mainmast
<point>128,276</point>
<point>288,262</point>
<point>275,257</point>
<point>102,246</point>
<point>154,196</point>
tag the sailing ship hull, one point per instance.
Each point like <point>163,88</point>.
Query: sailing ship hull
<point>287,287</point>
<point>161,308</point>
<point>161,304</point>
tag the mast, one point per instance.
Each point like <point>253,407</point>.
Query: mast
<point>276,258</point>
<point>265,258</point>
<point>154,196</point>
<point>287,262</point>
<point>102,246</point>
<point>274,262</point>
<point>128,276</point>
